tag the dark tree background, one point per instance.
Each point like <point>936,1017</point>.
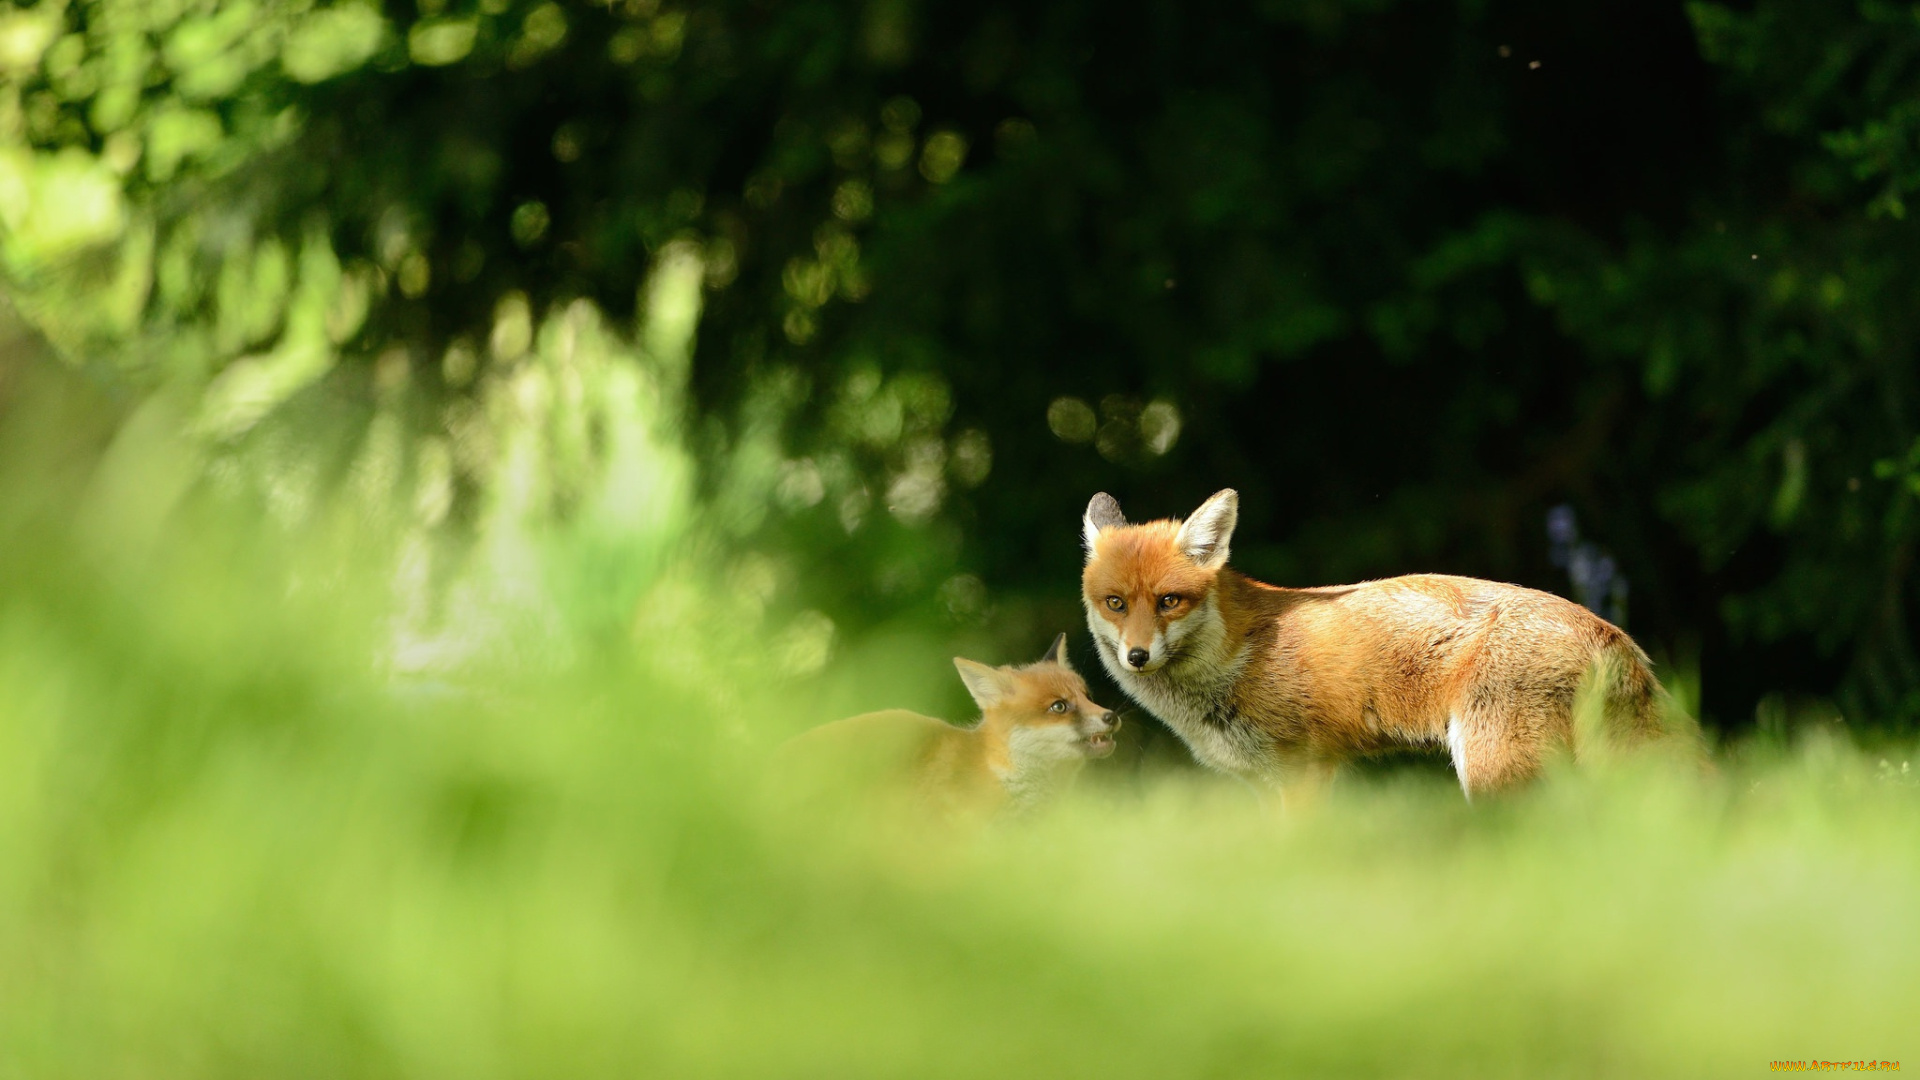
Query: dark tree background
<point>1408,275</point>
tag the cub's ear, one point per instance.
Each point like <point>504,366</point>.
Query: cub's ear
<point>989,686</point>
<point>1102,513</point>
<point>1057,654</point>
<point>1206,533</point>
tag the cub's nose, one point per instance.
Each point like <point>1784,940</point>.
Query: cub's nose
<point>1111,721</point>
<point>1137,657</point>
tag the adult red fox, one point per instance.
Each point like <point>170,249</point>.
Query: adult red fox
<point>1285,684</point>
<point>1037,728</point>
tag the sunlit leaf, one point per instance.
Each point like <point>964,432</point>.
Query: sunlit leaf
<point>439,42</point>
<point>332,41</point>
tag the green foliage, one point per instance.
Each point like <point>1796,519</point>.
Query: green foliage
<point>519,416</point>
<point>244,837</point>
<point>1406,275</point>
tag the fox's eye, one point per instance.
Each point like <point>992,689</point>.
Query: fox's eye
<point>1169,602</point>
<point>1058,706</point>
<point>1116,603</point>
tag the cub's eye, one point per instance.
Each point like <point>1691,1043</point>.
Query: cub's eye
<point>1058,706</point>
<point>1116,603</point>
<point>1169,602</point>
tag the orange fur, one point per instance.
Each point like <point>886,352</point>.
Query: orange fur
<point>1289,683</point>
<point>1037,727</point>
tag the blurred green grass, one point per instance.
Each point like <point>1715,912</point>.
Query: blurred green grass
<point>240,842</point>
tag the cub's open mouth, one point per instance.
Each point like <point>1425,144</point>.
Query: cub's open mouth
<point>1100,745</point>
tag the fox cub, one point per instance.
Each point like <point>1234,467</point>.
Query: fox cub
<point>1037,728</point>
<point>1285,684</point>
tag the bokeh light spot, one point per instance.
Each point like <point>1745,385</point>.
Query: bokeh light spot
<point>529,223</point>
<point>1071,420</point>
<point>439,42</point>
<point>942,157</point>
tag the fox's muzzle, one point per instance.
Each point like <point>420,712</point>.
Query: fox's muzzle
<point>1099,737</point>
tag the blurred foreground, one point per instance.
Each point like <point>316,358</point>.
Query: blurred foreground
<point>250,831</point>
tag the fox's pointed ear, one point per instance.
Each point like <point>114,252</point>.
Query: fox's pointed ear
<point>989,686</point>
<point>1206,533</point>
<point>1057,654</point>
<point>1102,513</point>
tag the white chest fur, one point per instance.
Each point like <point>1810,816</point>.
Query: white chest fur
<point>1042,761</point>
<point>1193,695</point>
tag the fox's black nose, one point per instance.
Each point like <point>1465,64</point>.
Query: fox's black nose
<point>1112,721</point>
<point>1137,657</point>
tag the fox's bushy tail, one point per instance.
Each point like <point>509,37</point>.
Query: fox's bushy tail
<point>1620,707</point>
